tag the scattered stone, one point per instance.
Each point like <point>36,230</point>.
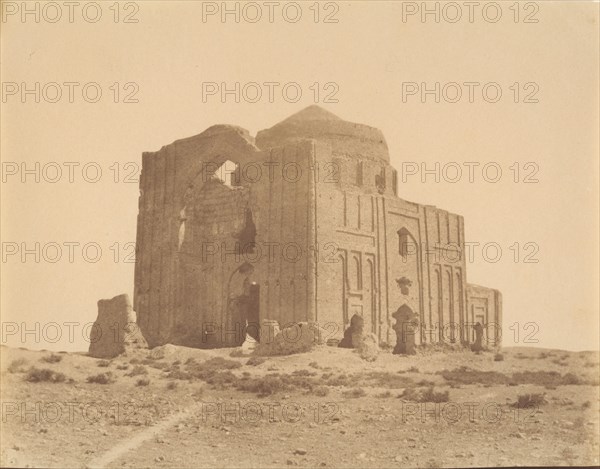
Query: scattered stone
<point>406,326</point>
<point>354,333</point>
<point>368,348</point>
<point>300,451</point>
<point>298,338</point>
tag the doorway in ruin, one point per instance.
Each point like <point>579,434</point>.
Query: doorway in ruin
<point>406,328</point>
<point>253,311</point>
<point>242,313</point>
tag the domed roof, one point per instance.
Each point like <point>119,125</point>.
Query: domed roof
<point>314,122</point>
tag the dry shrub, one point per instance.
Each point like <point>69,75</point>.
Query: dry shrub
<point>526,401</point>
<point>102,378</point>
<point>137,371</point>
<point>52,358</point>
<point>40,375</point>
<point>354,393</point>
<point>17,366</point>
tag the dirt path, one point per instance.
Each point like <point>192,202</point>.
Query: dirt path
<point>135,441</point>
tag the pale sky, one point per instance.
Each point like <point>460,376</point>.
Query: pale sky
<point>368,55</point>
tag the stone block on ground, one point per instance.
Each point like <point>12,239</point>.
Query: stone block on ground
<point>299,337</point>
<point>368,347</point>
<point>354,333</point>
<point>115,330</point>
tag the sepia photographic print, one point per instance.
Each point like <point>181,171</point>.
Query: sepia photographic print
<point>314,234</point>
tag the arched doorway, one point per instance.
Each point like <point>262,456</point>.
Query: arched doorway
<point>242,314</point>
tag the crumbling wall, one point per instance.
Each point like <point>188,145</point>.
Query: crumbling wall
<point>484,307</point>
<point>193,236</point>
<point>168,178</point>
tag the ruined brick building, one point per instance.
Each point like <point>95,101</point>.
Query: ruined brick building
<point>301,223</point>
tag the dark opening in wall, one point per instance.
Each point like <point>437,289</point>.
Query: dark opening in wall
<point>247,236</point>
<point>359,173</point>
<point>380,181</point>
<point>406,244</point>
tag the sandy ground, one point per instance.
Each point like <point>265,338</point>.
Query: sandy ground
<point>333,410</point>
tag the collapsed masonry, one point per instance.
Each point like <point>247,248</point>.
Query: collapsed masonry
<point>301,224</point>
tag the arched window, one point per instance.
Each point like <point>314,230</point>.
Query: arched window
<point>355,275</point>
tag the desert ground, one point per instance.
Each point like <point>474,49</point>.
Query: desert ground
<point>181,407</point>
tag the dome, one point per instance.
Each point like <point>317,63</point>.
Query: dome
<point>314,122</point>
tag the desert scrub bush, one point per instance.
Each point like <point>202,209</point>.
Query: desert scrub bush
<point>425,382</point>
<point>431,395</point>
<point>210,368</point>
<point>425,395</point>
<point>464,375</point>
<point>103,363</point>
<point>340,380</point>
<point>17,365</point>
<point>499,357</point>
<point>384,395</point>
<point>101,378</point>
<point>354,393</point>
<point>40,375</point>
<point>157,365</point>
<point>304,373</point>
<point>263,387</point>
<point>52,358</point>
<point>410,394</point>
<point>314,365</point>
<point>179,374</point>
<point>526,401</point>
<point>237,353</point>
<point>384,379</point>
<point>142,382</point>
<point>172,385</point>
<point>221,379</point>
<point>413,369</point>
<point>321,391</point>
<point>135,361</point>
<point>124,366</point>
<point>137,370</point>
<point>546,378</point>
<point>255,361</point>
